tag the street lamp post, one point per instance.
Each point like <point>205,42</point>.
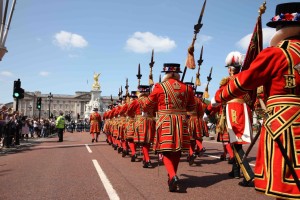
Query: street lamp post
<point>50,96</point>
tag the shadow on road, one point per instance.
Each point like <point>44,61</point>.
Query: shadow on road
<point>200,181</point>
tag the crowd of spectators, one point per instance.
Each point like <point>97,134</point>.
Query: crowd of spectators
<point>15,127</point>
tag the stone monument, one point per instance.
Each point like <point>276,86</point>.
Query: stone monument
<point>95,101</point>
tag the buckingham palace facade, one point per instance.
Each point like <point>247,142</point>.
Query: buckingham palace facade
<point>52,104</point>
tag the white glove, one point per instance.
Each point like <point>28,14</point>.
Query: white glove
<point>144,114</point>
<point>205,117</point>
<point>214,103</point>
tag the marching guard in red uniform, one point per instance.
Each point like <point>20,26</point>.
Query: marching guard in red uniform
<point>114,126</point>
<point>238,122</point>
<point>172,98</point>
<point>195,127</point>
<point>277,68</point>
<point>108,125</point>
<point>130,130</point>
<point>95,121</point>
<point>144,125</point>
<point>122,126</point>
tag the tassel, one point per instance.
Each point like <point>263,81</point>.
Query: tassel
<point>197,82</point>
<point>190,60</point>
<point>206,95</point>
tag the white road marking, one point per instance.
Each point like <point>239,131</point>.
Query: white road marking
<point>112,194</point>
<point>88,148</point>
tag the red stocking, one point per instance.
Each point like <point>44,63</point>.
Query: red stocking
<point>175,160</point>
<point>132,147</point>
<point>192,147</point>
<point>199,144</point>
<point>146,152</point>
<point>229,150</point>
<point>167,159</point>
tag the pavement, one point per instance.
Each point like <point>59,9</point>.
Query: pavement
<point>25,143</point>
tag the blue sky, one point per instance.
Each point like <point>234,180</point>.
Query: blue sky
<point>56,46</point>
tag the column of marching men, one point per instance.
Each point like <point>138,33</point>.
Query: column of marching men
<point>129,124</point>
<point>179,115</point>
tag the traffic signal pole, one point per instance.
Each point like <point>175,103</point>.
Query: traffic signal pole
<point>39,116</point>
<point>17,104</point>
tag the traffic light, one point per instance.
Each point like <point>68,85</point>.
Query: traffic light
<point>39,103</point>
<point>18,92</point>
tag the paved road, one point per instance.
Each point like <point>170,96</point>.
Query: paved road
<point>78,169</point>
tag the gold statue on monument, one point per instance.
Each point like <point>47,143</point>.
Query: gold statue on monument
<point>96,85</point>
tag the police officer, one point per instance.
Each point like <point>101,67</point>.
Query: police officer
<point>60,126</point>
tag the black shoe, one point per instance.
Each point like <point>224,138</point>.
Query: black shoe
<point>107,141</point>
<point>234,175</point>
<point>93,140</point>
<point>201,152</point>
<point>115,147</point>
<point>223,158</point>
<point>147,164</point>
<point>124,153</point>
<point>245,183</point>
<point>188,158</point>
<point>120,149</point>
<point>96,140</point>
<point>173,184</point>
<point>231,160</point>
<point>192,159</point>
<point>133,158</point>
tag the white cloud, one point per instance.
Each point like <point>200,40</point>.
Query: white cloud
<point>67,40</point>
<point>202,39</point>
<point>6,73</point>
<point>143,42</point>
<point>44,73</point>
<point>267,35</point>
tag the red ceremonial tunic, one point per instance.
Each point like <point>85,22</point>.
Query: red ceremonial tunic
<point>122,122</point>
<point>238,119</point>
<point>130,129</point>
<point>95,120</point>
<point>277,69</point>
<point>113,124</point>
<point>173,99</point>
<point>108,122</point>
<point>195,120</point>
<point>144,123</point>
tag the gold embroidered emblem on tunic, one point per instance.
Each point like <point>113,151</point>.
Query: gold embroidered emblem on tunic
<point>233,116</point>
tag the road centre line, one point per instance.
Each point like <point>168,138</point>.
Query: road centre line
<point>88,148</point>
<point>112,194</point>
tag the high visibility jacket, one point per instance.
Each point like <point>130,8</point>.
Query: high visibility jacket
<point>60,122</point>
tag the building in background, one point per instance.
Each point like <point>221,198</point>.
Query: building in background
<point>69,104</point>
